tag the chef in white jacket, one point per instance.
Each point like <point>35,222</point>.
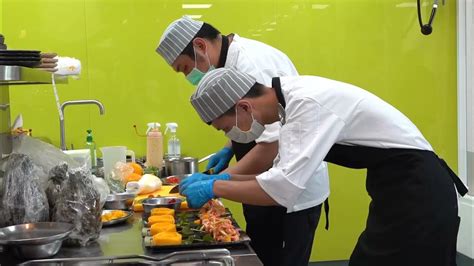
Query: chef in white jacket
<point>193,48</point>
<point>413,214</point>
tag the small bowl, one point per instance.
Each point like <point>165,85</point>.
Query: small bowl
<point>163,202</point>
<point>119,201</point>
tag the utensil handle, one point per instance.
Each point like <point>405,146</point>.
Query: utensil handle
<point>206,158</point>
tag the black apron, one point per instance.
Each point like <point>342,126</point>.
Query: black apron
<point>413,216</point>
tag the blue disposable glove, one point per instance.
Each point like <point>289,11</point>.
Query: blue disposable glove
<point>200,177</point>
<point>198,193</point>
<point>220,160</point>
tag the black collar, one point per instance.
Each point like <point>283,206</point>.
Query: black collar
<point>224,50</point>
<point>276,85</point>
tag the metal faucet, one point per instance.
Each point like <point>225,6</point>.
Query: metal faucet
<point>61,121</point>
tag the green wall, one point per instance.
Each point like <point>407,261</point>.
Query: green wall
<point>375,44</point>
<point>1,15</point>
<point>4,98</point>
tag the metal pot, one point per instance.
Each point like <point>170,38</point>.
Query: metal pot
<point>183,166</point>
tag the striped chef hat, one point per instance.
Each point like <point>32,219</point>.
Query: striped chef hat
<point>176,37</point>
<point>218,91</point>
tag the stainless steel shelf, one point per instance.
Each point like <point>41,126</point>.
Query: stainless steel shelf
<point>18,75</point>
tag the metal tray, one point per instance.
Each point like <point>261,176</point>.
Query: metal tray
<point>244,238</point>
<point>20,63</point>
<point>116,221</point>
<point>20,52</point>
<point>20,58</point>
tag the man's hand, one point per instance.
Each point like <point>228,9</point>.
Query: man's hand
<point>198,193</point>
<point>220,160</point>
<point>200,177</point>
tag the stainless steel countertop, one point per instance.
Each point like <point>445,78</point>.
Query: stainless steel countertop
<point>125,239</point>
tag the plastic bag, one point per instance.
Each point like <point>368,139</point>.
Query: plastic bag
<point>57,176</point>
<point>147,184</point>
<point>44,155</point>
<point>116,180</point>
<point>23,199</point>
<point>78,203</point>
<point>102,188</point>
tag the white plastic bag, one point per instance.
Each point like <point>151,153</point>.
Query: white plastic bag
<point>147,184</point>
<point>102,188</point>
<point>44,155</point>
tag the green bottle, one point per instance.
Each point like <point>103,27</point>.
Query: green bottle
<point>90,144</point>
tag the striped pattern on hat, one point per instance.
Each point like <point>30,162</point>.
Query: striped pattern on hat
<point>176,37</point>
<point>218,91</point>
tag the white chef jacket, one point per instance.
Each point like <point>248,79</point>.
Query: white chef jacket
<point>263,62</point>
<point>320,112</point>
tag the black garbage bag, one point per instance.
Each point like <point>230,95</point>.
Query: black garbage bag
<point>23,199</point>
<point>78,203</point>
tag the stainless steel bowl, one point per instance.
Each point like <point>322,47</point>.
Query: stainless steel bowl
<point>119,201</point>
<point>163,202</point>
<point>35,240</point>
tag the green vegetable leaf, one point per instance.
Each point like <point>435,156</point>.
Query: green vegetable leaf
<point>207,238</point>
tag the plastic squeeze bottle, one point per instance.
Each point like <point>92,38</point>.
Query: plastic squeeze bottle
<point>154,146</point>
<point>174,146</point>
<point>90,144</point>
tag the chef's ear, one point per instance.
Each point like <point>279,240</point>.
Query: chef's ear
<point>244,105</point>
<point>200,43</point>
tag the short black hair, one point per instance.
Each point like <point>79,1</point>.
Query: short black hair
<point>207,31</point>
<point>255,91</point>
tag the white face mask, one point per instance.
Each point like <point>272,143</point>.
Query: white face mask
<point>240,136</point>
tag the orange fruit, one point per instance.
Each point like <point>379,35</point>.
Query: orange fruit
<point>133,177</point>
<point>137,169</point>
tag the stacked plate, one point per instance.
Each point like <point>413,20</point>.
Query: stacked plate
<point>20,58</point>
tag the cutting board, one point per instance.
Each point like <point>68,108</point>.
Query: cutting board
<point>163,192</point>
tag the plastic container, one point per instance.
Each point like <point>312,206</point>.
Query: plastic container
<point>90,145</point>
<point>174,145</point>
<point>154,146</point>
<point>113,154</point>
<point>82,157</point>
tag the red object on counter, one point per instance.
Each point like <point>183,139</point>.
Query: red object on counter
<point>172,179</point>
